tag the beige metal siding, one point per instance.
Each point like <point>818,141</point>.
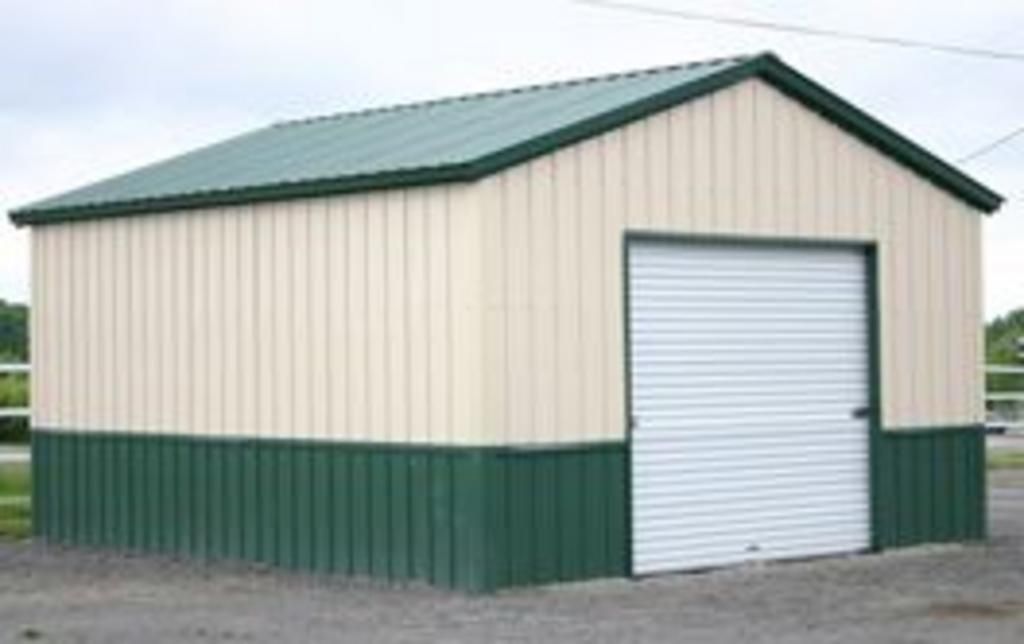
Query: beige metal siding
<point>349,318</point>
<point>745,161</point>
<point>489,312</point>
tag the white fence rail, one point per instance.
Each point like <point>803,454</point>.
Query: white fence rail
<point>1005,408</point>
<point>14,369</point>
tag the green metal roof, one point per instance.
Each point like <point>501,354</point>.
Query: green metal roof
<point>456,139</point>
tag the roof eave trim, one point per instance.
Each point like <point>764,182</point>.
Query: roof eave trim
<point>877,134</point>
<point>247,195</point>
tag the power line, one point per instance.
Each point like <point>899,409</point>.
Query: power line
<point>989,147</point>
<point>804,30</point>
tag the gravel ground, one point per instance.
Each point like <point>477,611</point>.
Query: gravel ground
<point>933,594</point>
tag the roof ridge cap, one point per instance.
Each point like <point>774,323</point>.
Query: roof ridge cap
<point>457,98</point>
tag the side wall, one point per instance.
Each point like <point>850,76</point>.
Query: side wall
<point>429,383</point>
<point>751,162</point>
<point>489,313</point>
<point>351,318</point>
<point>744,161</point>
<point>294,383</point>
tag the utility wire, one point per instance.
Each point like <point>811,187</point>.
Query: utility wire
<point>992,146</point>
<point>803,30</point>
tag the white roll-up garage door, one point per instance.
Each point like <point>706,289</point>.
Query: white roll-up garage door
<point>749,381</point>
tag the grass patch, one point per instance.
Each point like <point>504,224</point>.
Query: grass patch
<point>15,519</point>
<point>14,392</point>
<point>15,480</point>
<point>1006,460</point>
<point>15,503</point>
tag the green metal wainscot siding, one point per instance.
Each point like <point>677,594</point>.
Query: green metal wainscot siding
<point>472,518</point>
<point>930,486</point>
<point>475,519</point>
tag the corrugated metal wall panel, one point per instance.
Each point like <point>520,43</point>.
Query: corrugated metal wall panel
<point>931,486</point>
<point>745,161</point>
<point>39,306</point>
<point>747,364</point>
<point>506,295</point>
<point>556,514</point>
<point>473,518</point>
<point>350,318</point>
<point>400,512</point>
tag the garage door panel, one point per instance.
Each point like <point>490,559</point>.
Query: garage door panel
<point>708,475</point>
<point>736,358</point>
<point>741,500</point>
<point>757,522</point>
<point>758,535</point>
<point>729,408</point>
<point>704,491</point>
<point>747,365</point>
<point>662,504</point>
<point>745,395</point>
<point>820,542</point>
<point>713,265</point>
<point>745,518</point>
<point>669,435</point>
<point>657,394</point>
<point>668,339</point>
<point>729,353</point>
<point>798,420</point>
<point>720,454</point>
<point>753,373</point>
<point>667,333</point>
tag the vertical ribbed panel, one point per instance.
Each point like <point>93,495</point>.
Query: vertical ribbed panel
<point>352,318</point>
<point>931,486</point>
<point>472,518</point>
<point>745,161</point>
<point>388,512</point>
<point>557,514</point>
<point>488,312</point>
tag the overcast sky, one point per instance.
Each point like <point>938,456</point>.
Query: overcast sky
<point>88,89</point>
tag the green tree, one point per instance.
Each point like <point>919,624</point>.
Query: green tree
<point>1001,335</point>
<point>13,388</point>
<point>13,332</point>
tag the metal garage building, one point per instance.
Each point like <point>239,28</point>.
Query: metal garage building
<point>657,321</point>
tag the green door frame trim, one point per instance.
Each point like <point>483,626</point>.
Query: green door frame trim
<point>868,247</point>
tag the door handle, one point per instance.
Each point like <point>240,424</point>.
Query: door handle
<point>860,413</point>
